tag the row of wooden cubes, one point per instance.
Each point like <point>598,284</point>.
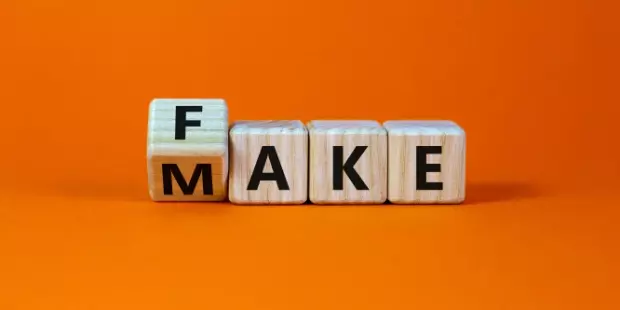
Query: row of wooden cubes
<point>193,155</point>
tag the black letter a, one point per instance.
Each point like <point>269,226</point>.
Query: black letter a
<point>277,174</point>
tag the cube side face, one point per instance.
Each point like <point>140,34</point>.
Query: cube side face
<point>191,127</point>
<point>187,150</point>
<point>370,149</point>
<point>261,153</point>
<point>188,178</point>
<point>407,145</point>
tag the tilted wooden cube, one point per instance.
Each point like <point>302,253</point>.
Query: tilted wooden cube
<point>426,162</point>
<point>269,162</point>
<point>348,162</point>
<point>188,149</point>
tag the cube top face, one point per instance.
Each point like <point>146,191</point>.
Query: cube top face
<point>269,162</point>
<point>269,127</point>
<point>348,162</point>
<point>345,127</point>
<point>187,127</point>
<point>423,128</point>
<point>426,162</point>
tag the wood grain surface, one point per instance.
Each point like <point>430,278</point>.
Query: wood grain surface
<point>404,138</point>
<point>289,140</point>
<point>371,166</point>
<point>204,143</point>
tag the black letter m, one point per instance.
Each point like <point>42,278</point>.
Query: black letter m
<point>170,170</point>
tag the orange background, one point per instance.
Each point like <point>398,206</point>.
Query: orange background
<point>533,83</point>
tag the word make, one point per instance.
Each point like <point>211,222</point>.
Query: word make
<point>194,155</point>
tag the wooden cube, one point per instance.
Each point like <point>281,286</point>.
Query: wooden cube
<point>426,162</point>
<point>269,162</point>
<point>188,149</point>
<point>348,162</point>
